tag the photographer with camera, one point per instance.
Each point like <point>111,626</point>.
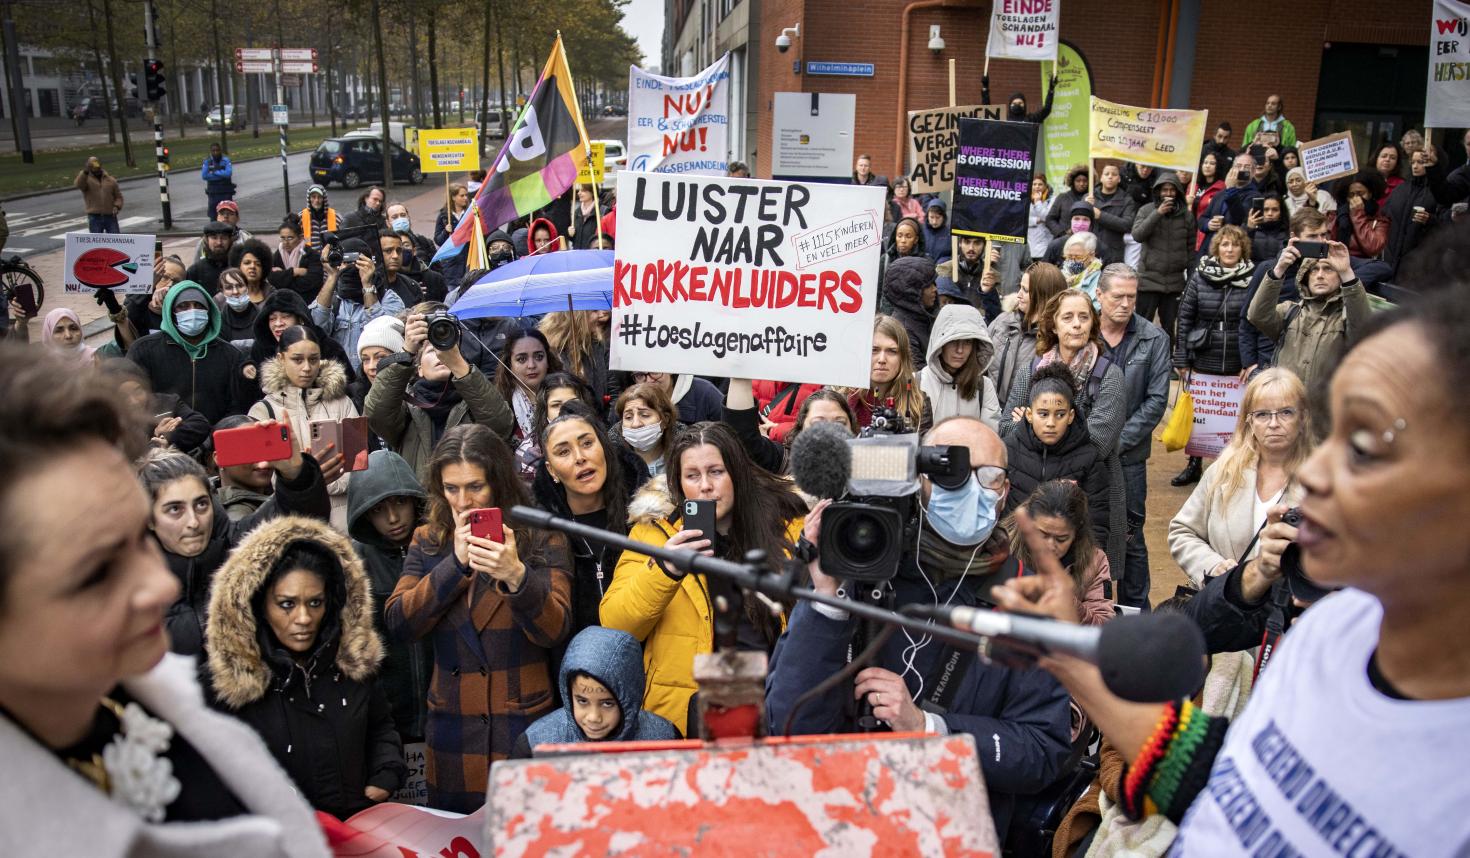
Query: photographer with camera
<point>1019,718</point>
<point>352,294</point>
<point>429,388</point>
<point>1314,331</point>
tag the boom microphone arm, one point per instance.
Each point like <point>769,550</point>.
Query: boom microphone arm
<point>748,575</point>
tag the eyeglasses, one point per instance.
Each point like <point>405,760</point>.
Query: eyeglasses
<point>991,476</point>
<point>1265,418</point>
<point>648,376</point>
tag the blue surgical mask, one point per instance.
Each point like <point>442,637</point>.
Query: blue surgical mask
<point>237,302</point>
<point>399,224</point>
<point>1073,267</point>
<point>191,323</point>
<point>966,515</point>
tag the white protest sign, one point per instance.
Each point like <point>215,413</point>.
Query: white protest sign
<point>812,135</point>
<point>122,263</point>
<point>1447,97</point>
<point>679,124</point>
<point>1024,29</point>
<point>415,789</point>
<point>1330,157</point>
<point>1216,407</point>
<point>745,278</point>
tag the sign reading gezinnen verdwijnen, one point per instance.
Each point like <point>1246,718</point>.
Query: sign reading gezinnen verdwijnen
<point>744,278</point>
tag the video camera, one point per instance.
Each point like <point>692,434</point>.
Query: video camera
<point>876,476</point>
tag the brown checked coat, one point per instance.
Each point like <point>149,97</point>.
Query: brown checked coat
<point>492,654</point>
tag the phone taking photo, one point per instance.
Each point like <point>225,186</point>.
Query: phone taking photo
<point>1312,249</point>
<point>700,515</point>
<point>261,442</point>
<point>486,524</point>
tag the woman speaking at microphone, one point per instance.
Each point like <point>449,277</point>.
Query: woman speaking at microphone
<point>1353,742</point>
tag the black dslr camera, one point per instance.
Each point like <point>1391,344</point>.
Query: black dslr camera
<point>443,330</point>
<point>1298,583</point>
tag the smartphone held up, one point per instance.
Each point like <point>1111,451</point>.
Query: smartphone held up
<point>245,445</point>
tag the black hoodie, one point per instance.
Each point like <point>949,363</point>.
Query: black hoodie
<point>903,286</point>
<point>287,301</point>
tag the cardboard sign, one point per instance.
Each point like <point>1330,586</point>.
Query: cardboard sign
<point>1447,97</point>
<point>745,278</point>
<point>1329,157</point>
<point>1168,139</point>
<point>934,135</point>
<point>120,262</point>
<point>992,192</point>
<point>679,124</point>
<point>1024,29</point>
<point>591,172</point>
<point>449,150</point>
<point>1216,407</point>
<point>812,135</point>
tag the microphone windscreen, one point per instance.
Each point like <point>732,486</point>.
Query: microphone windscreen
<point>821,460</point>
<point>1152,658</point>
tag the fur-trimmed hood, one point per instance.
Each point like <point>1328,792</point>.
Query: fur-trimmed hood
<point>331,381</point>
<point>239,671</point>
<point>652,503</point>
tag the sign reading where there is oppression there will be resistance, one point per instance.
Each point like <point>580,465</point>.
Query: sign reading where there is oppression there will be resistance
<point>992,184</point>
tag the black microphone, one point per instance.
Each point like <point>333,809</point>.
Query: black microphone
<point>821,461</point>
<point>1145,658</point>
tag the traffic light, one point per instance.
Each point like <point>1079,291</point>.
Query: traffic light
<point>153,78</point>
<point>164,159</point>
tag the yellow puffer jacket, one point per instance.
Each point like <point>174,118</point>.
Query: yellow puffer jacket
<point>673,619</point>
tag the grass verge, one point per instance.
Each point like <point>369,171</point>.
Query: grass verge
<point>56,169</point>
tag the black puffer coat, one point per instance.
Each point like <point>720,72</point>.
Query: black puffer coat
<point>1167,239</point>
<point>1074,458</point>
<point>1403,234</point>
<point>1215,299</point>
<point>321,714</point>
<point>305,495</point>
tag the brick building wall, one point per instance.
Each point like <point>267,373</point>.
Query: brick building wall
<point>1244,51</point>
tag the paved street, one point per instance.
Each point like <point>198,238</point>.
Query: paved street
<point>39,224</point>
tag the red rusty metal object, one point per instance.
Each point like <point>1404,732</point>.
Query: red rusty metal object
<point>839,796</point>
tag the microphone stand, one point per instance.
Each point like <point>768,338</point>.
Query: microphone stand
<point>748,575</point>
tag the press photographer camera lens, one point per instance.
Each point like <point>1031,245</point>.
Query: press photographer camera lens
<point>332,249</point>
<point>443,330</point>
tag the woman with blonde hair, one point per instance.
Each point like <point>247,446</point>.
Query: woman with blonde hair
<point>1212,532</point>
<point>580,338</point>
<point>892,377</point>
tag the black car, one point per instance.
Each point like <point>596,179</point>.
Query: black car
<point>354,161</point>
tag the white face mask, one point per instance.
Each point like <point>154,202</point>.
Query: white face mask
<point>237,302</point>
<point>644,438</point>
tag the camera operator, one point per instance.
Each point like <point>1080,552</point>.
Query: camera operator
<point>1347,743</point>
<point>1019,718</point>
<point>423,391</point>
<point>352,295</point>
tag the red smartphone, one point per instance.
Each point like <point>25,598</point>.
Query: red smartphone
<point>485,523</point>
<point>262,442</point>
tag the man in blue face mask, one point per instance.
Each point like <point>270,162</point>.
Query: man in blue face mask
<point>189,359</point>
<point>1019,718</point>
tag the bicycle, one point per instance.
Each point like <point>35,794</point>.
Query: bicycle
<point>20,282</point>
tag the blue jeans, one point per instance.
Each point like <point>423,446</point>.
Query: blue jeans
<point>103,223</point>
<point>1133,585</point>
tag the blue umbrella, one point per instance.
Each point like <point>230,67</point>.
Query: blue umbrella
<point>533,285</point>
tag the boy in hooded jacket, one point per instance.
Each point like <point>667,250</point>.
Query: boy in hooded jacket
<point>601,681</point>
<point>385,503</point>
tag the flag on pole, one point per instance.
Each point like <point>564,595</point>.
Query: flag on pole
<point>478,258</point>
<point>539,160</point>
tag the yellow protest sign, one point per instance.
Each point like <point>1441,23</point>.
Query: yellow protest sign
<point>448,150</point>
<point>1170,139</point>
<point>592,171</point>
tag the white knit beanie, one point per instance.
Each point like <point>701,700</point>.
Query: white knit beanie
<point>385,332</point>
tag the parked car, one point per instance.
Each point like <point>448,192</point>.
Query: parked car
<point>615,110</point>
<point>614,158</point>
<point>354,161</point>
<point>232,117</point>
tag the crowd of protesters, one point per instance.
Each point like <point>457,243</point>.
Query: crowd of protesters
<point>339,610</point>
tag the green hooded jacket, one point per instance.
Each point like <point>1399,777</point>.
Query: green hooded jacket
<point>211,333</point>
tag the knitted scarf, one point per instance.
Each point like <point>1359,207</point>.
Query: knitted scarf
<point>1080,364</point>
